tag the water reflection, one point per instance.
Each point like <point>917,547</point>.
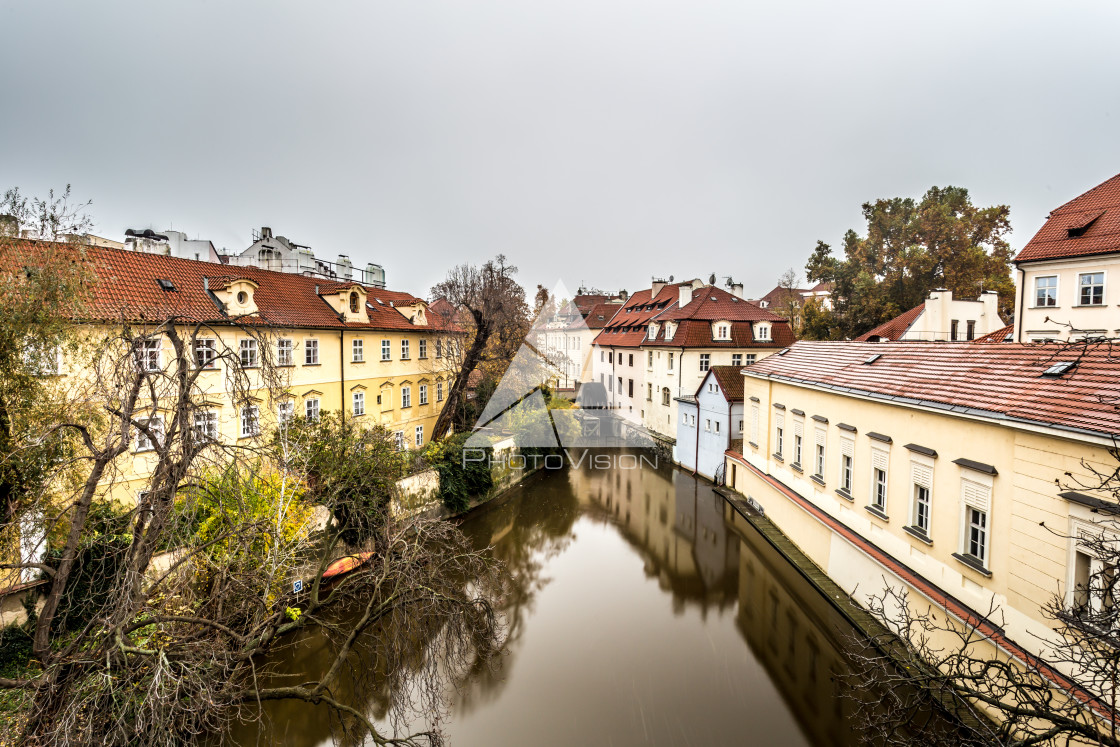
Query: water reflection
<point>641,611</point>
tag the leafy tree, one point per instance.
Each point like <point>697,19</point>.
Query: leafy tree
<point>911,248</point>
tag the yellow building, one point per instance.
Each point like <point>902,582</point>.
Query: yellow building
<point>307,346</point>
<point>937,467</point>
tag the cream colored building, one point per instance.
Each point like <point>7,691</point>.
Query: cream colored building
<point>942,318</point>
<point>933,468</point>
<point>1068,272</point>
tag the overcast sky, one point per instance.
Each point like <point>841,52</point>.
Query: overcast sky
<point>597,141</point>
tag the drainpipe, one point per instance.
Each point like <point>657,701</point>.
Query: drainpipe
<point>1018,321</point>
<point>342,370</point>
<point>696,456</point>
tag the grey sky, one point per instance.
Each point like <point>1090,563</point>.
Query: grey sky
<point>590,140</point>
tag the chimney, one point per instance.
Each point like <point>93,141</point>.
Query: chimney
<point>992,321</point>
<point>266,232</point>
<point>737,290</point>
<point>657,286</point>
<point>685,295</point>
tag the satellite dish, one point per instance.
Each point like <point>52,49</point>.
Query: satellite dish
<point>670,278</point>
<point>712,279</point>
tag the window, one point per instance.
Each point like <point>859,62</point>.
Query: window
<point>205,352</point>
<point>620,385</point>
<point>740,425</point>
<point>419,436</point>
<point>921,508</point>
<point>953,329</point>
<point>736,359</point>
<point>249,358</point>
<point>423,349</point>
<point>879,489</point>
<point>630,388</point>
<point>665,396</point>
<point>406,396</point>
<point>1091,287</point>
<point>970,330</point>
<point>439,348</point>
<point>284,412</point>
<point>707,425</point>
<point>311,408</point>
<point>250,421</point>
<point>423,394</point>
<point>717,426</point>
<point>358,351</point>
<point>439,391</point>
<point>311,352</point>
<point>631,360</point>
<point>146,353</point>
<point>705,361</point>
<point>398,440</point>
<point>754,424</point>
<point>649,392</point>
<point>976,500</point>
<point>354,301</point>
<point>780,441</point>
<point>977,537</point>
<point>359,404</point>
<point>847,453</point>
<point>819,473</point>
<point>404,350</point>
<point>144,441</point>
<point>206,425</point>
<point>1046,291</point>
<point>764,332</point>
<point>723,332</point>
<point>670,361</point>
<point>751,357</point>
<point>649,360</point>
<point>284,353</point>
<point>797,446</point>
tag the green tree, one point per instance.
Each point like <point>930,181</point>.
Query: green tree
<point>910,248</point>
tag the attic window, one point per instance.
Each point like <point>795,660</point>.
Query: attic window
<point>1055,371</point>
<point>872,359</point>
<point>1079,230</point>
<point>354,302</point>
<point>166,284</point>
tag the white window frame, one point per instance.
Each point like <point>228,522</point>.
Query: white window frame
<point>398,440</point>
<point>405,353</point>
<point>921,475</point>
<point>148,354</point>
<point>419,436</point>
<point>311,408</point>
<point>357,350</point>
<point>205,352</point>
<point>847,464</point>
<point>780,435</point>
<point>386,350</point>
<point>736,359</point>
<point>406,396</point>
<point>705,361</point>
<point>284,352</point>
<point>1036,304</point>
<point>250,421</point>
<point>205,425</point>
<point>1104,287</point>
<point>249,354</point>
<point>976,495</point>
<point>798,440</point>
<point>285,411</point>
<point>142,442</point>
<point>880,462</point>
<point>311,352</point>
<point>755,416</point>
<point>422,349</point>
<point>358,403</point>
<point>423,394</point>
<point>439,391</point>
<point>820,453</point>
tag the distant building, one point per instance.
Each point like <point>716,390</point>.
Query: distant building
<point>1063,291</point>
<point>280,254</point>
<point>569,333</point>
<point>942,318</point>
<point>167,243</point>
<point>710,421</point>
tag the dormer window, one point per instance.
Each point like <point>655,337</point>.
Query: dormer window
<point>670,331</point>
<point>242,298</point>
<point>652,331</point>
<point>762,332</point>
<point>721,330</point>
<point>355,302</point>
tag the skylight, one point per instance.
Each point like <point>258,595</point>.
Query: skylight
<point>1059,368</point>
<point>872,359</point>
<point>166,284</point>
<point>783,351</point>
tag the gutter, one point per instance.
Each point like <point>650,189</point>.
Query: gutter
<point>1022,300</point>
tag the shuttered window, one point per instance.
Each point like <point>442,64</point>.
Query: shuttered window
<point>754,424</point>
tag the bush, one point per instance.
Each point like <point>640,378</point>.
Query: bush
<point>95,568</point>
<point>459,481</point>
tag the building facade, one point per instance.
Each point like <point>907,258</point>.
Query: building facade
<point>942,318</point>
<point>949,470</point>
<point>280,254</point>
<point>710,422</point>
<point>1067,272</point>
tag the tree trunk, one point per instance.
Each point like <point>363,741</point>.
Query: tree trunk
<point>459,388</point>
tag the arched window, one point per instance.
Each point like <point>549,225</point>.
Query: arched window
<point>354,302</point>
<point>665,396</point>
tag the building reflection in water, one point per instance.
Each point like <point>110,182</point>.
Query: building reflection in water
<point>706,558</point>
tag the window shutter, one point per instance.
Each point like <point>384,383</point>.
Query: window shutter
<point>976,495</point>
<point>879,459</point>
<point>780,421</point>
<point>921,475</point>
<point>798,428</point>
<point>847,447</point>
<point>820,437</point>
<point>754,423</point>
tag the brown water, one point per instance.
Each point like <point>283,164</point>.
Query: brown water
<point>645,612</point>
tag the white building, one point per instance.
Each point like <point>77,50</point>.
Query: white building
<point>170,244</point>
<point>280,254</point>
<point>709,421</point>
<point>942,318</point>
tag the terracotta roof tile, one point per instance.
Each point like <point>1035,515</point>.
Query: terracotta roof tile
<point>1000,381</point>
<point>1003,334</point>
<point>730,379</point>
<point>126,288</point>
<point>895,328</point>
<point>1093,216</point>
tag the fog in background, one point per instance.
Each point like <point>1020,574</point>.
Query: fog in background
<point>595,141</point>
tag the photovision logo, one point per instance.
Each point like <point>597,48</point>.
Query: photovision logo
<point>518,428</point>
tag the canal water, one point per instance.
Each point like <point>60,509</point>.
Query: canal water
<point>644,611</point>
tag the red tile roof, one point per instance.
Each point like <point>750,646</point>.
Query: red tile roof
<point>126,288</point>
<point>730,379</point>
<point>709,304</point>
<point>1094,216</point>
<point>1003,334</point>
<point>599,315</point>
<point>895,328</point>
<point>995,381</point>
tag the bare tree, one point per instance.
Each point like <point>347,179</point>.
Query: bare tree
<point>790,300</point>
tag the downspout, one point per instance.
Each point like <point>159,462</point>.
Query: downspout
<point>1018,321</point>
<point>342,370</point>
<point>696,456</point>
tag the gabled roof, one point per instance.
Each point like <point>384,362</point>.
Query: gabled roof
<point>730,380</point>
<point>715,304</point>
<point>895,328</point>
<point>1002,382</point>
<point>126,288</point>
<point>1088,224</point>
<point>1003,334</point>
<point>599,315</point>
<point>627,328</point>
